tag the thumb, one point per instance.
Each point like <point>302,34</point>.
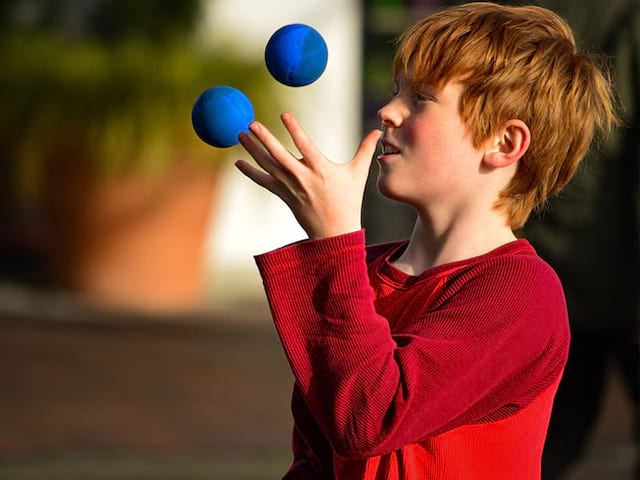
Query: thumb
<point>364,154</point>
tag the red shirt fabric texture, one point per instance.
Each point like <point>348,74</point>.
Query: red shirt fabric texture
<point>445,375</point>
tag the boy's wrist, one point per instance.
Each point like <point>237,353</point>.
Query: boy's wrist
<point>309,250</point>
<point>333,232</point>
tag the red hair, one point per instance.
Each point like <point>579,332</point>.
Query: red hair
<point>522,63</point>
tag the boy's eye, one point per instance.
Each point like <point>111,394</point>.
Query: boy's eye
<point>422,97</point>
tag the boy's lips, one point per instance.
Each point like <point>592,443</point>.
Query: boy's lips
<point>388,148</point>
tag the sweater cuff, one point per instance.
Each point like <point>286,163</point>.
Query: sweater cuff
<point>310,251</point>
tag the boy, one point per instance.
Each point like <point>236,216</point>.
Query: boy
<point>438,357</point>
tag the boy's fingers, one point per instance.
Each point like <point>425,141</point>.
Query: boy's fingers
<point>259,154</point>
<point>260,177</point>
<point>364,154</point>
<point>306,147</point>
<point>264,159</point>
<point>278,153</point>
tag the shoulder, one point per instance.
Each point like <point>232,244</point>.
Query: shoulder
<point>519,302</point>
<point>524,271</point>
<point>512,267</point>
<point>514,283</point>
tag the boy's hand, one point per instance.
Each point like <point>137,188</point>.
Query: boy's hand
<point>326,198</point>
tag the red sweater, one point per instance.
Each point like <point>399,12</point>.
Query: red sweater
<point>446,375</point>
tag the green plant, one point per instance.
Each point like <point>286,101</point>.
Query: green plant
<point>114,108</point>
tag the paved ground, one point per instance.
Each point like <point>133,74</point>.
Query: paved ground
<point>89,395</point>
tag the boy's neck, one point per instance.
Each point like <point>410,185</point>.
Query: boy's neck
<point>433,244</point>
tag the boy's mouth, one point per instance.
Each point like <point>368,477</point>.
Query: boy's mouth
<point>388,149</point>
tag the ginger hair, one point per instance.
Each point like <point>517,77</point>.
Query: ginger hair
<point>515,63</point>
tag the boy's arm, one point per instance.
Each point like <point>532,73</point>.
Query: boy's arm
<point>372,392</point>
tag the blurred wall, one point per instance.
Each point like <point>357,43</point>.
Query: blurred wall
<point>250,220</point>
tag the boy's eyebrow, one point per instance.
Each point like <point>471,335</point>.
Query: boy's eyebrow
<point>423,87</point>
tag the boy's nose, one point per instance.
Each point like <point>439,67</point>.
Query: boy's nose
<point>389,115</point>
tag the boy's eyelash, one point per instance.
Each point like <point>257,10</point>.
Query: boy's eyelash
<point>423,97</point>
<point>417,96</point>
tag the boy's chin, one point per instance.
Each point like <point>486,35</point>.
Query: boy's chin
<point>387,190</point>
<point>395,193</point>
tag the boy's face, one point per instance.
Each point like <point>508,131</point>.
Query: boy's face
<point>427,151</point>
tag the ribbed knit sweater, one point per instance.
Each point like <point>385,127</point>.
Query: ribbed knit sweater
<point>449,374</point>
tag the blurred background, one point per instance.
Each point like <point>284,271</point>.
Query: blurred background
<point>135,341</point>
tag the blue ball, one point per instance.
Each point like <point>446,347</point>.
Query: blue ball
<point>220,114</point>
<point>296,55</point>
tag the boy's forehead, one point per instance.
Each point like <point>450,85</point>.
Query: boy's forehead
<point>423,81</point>
<point>410,76</point>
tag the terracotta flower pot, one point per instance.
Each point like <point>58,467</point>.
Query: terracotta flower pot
<point>135,242</point>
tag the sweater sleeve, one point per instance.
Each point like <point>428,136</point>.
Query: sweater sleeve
<point>371,391</point>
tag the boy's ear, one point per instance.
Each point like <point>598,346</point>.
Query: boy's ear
<point>508,145</point>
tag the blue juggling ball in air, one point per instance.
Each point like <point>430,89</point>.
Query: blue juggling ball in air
<point>220,114</point>
<point>296,55</point>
